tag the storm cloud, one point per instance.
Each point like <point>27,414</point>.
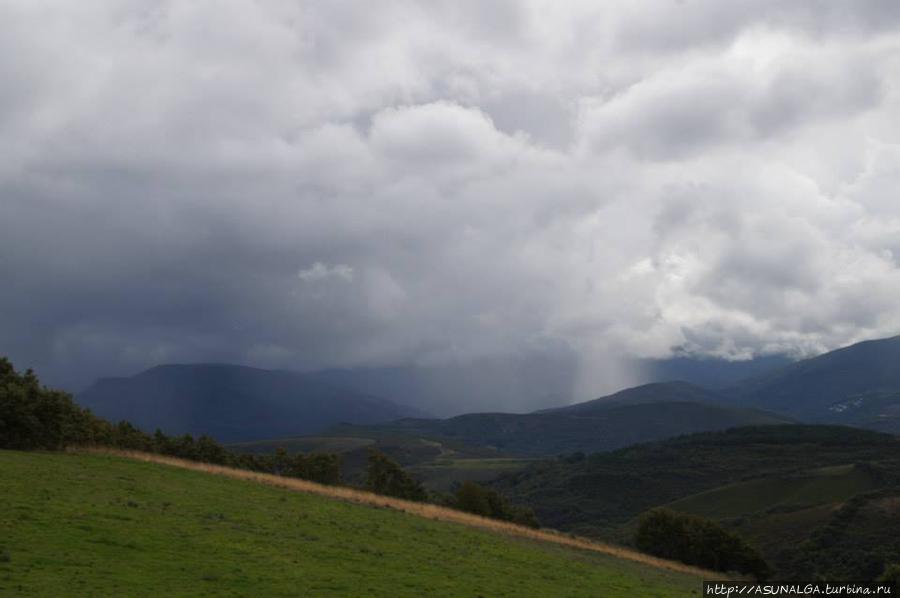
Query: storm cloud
<point>334,184</point>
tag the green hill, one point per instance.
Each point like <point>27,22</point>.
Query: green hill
<point>785,489</point>
<point>833,522</point>
<point>76,525</point>
<point>597,494</point>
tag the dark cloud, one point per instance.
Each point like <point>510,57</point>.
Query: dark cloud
<point>315,185</point>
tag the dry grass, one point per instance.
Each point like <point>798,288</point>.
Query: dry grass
<point>426,510</point>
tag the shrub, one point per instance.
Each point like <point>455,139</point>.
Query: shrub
<point>472,498</point>
<point>525,516</point>
<point>35,417</point>
<point>697,541</point>
<point>321,468</point>
<point>386,477</point>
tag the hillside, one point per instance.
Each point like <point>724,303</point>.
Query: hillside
<point>782,514</point>
<point>597,494</point>
<point>555,432</point>
<point>855,385</point>
<point>873,410</point>
<point>108,526</point>
<point>835,522</point>
<point>233,403</point>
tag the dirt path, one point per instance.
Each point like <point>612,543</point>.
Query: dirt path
<point>414,508</point>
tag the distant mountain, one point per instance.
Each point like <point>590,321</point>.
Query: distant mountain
<point>857,385</point>
<point>233,403</point>
<point>523,383</point>
<point>708,372</point>
<point>598,428</point>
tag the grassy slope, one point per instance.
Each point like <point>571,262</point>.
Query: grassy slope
<point>102,525</point>
<point>809,489</point>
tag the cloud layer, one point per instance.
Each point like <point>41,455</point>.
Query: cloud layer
<point>312,184</point>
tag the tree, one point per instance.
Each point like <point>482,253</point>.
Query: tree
<point>697,541</point>
<point>474,498</point>
<point>280,461</point>
<point>35,417</point>
<point>323,468</point>
<point>127,436</point>
<point>162,443</point>
<point>386,477</point>
<point>210,451</point>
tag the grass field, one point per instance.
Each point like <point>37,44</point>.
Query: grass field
<point>812,488</point>
<point>440,475</point>
<point>100,525</point>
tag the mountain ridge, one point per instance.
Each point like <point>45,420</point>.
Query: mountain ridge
<point>653,392</point>
<point>809,389</point>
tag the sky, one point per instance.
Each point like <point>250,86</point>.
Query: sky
<point>306,185</point>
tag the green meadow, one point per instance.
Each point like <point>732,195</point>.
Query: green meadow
<point>93,525</point>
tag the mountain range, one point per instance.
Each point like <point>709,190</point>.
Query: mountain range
<point>857,385</point>
<point>233,403</point>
